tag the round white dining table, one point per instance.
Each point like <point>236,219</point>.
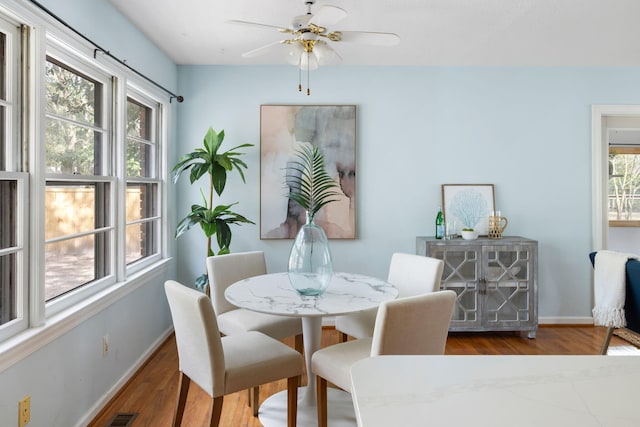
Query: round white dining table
<point>273,294</point>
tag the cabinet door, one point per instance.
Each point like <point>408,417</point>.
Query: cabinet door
<point>461,274</point>
<point>508,286</point>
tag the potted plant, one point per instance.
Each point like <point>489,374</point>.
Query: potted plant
<point>214,221</point>
<point>310,266</point>
<point>469,233</point>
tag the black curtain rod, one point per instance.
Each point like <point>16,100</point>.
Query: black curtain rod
<point>106,52</point>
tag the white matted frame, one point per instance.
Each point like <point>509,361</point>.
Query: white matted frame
<point>332,128</point>
<point>468,206</point>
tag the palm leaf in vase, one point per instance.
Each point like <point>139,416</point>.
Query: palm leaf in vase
<point>310,184</point>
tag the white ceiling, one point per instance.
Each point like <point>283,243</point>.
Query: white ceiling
<point>432,32</point>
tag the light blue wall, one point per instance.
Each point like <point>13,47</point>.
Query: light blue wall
<point>69,378</point>
<point>526,130</point>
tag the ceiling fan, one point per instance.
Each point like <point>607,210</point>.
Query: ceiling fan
<point>308,45</point>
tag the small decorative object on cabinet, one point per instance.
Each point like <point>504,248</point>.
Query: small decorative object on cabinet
<point>496,281</point>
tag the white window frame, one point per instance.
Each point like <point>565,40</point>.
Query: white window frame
<point>159,171</point>
<point>22,235</point>
<point>87,68</point>
<point>11,172</point>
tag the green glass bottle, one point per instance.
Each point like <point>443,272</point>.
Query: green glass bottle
<point>439,224</point>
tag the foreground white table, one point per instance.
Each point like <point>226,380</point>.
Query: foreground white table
<point>273,294</point>
<point>549,391</point>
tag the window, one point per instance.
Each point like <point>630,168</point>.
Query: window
<point>13,191</point>
<point>624,186</point>
<point>81,180</point>
<point>78,161</point>
<point>143,184</point>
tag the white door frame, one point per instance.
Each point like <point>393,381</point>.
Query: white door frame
<point>600,168</point>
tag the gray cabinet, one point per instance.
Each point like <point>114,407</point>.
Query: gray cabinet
<point>496,281</point>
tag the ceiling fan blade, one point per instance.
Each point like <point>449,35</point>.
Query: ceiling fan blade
<point>373,38</point>
<point>300,21</point>
<point>261,50</point>
<point>327,16</point>
<point>263,26</point>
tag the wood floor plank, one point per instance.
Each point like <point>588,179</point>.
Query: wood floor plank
<point>152,391</point>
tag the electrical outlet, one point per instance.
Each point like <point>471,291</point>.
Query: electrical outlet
<point>24,411</point>
<point>105,345</point>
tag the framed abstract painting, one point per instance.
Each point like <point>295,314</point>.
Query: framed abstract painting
<point>331,128</point>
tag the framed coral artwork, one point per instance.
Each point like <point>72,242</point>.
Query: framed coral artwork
<point>331,128</point>
<point>468,206</point>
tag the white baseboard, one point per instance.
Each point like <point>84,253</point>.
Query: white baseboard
<point>95,410</point>
<point>569,320</point>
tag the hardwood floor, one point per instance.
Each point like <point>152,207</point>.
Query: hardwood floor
<point>152,391</point>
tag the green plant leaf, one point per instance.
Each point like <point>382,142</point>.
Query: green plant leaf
<point>201,282</point>
<point>310,184</point>
<point>223,235</point>
<point>219,177</point>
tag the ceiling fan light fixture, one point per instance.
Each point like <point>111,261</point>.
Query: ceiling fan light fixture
<point>293,53</point>
<point>308,61</point>
<point>325,54</point>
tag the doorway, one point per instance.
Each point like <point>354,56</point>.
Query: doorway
<point>615,128</point>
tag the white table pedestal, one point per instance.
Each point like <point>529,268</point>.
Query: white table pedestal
<point>340,412</point>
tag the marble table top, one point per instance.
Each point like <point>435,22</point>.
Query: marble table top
<point>273,294</point>
<point>585,391</point>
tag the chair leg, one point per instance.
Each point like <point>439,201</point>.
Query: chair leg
<point>607,340</point>
<point>343,337</point>
<point>322,401</point>
<point>292,400</point>
<point>255,398</point>
<point>299,346</point>
<point>216,411</point>
<point>181,401</point>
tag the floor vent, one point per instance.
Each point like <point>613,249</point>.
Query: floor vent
<point>122,419</point>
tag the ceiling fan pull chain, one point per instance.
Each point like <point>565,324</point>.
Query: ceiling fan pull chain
<point>300,74</point>
<point>308,73</point>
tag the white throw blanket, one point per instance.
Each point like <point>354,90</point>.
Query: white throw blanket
<point>609,282</point>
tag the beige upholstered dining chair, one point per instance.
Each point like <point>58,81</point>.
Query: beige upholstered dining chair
<point>417,325</point>
<point>224,365</point>
<point>223,271</point>
<point>411,274</point>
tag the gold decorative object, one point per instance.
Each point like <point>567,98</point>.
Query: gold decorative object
<point>497,224</point>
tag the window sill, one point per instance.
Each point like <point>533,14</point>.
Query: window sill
<point>32,339</point>
<point>617,223</point>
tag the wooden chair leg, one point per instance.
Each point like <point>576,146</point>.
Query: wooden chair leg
<point>322,401</point>
<point>607,340</point>
<point>292,400</point>
<point>299,346</point>
<point>255,399</point>
<point>343,337</point>
<point>216,411</point>
<point>181,401</point>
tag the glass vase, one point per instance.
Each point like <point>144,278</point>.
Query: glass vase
<point>310,266</point>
